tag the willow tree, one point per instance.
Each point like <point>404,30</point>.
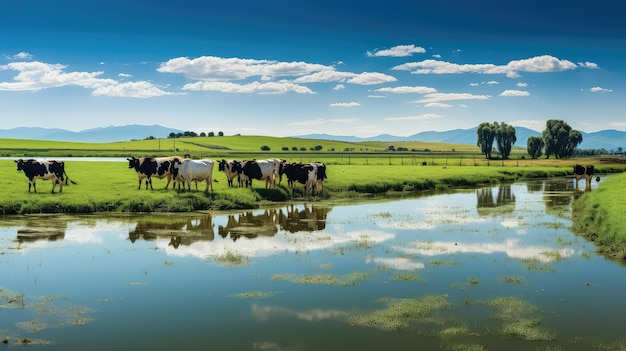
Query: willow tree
<point>534,146</point>
<point>560,139</point>
<point>486,135</point>
<point>505,138</point>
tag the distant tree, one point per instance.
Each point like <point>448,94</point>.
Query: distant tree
<point>391,148</point>
<point>285,148</point>
<point>150,138</point>
<point>211,134</point>
<point>202,134</point>
<point>265,148</point>
<point>505,138</point>
<point>220,133</point>
<point>302,148</point>
<point>534,146</point>
<point>560,139</point>
<point>318,147</point>
<point>172,135</point>
<point>486,135</point>
<point>294,148</point>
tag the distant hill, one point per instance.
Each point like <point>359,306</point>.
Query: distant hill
<point>609,140</point>
<point>96,135</point>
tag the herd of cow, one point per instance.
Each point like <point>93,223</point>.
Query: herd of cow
<point>186,170</point>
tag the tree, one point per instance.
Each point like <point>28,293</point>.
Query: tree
<point>560,139</point>
<point>505,138</point>
<point>265,148</point>
<point>534,146</point>
<point>486,134</point>
<point>220,133</point>
<point>211,134</point>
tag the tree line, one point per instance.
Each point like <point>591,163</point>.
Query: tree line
<point>558,140</point>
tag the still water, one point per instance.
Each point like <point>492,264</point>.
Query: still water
<point>494,268</point>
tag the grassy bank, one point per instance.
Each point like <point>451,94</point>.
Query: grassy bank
<point>111,186</point>
<point>599,217</point>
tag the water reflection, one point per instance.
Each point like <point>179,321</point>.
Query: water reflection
<point>503,202</point>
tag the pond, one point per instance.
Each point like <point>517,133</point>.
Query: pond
<point>494,268</point>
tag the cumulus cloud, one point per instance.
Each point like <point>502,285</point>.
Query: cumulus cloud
<point>600,90</point>
<point>345,104</point>
<point>538,64</point>
<point>437,104</point>
<point>211,68</point>
<point>35,76</point>
<point>590,65</point>
<point>521,84</point>
<point>339,87</point>
<point>413,118</point>
<point>279,87</point>
<point>407,90</point>
<point>20,56</point>
<point>398,51</point>
<point>438,97</point>
<point>510,92</point>
<point>371,78</point>
<point>131,89</point>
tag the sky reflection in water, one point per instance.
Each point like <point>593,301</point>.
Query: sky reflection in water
<point>302,272</point>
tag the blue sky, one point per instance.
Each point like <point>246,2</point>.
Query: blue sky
<point>286,68</point>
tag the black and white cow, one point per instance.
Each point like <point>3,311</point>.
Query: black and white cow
<point>305,174</point>
<point>320,174</point>
<point>43,169</point>
<point>194,170</point>
<point>230,169</point>
<point>584,172</point>
<point>259,169</point>
<point>148,167</point>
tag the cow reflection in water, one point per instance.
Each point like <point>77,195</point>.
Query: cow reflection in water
<point>503,202</point>
<point>270,221</point>
<point>182,231</point>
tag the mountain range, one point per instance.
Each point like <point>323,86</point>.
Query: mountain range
<point>609,139</point>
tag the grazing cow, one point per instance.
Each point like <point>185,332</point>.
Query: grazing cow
<point>148,167</point>
<point>584,172</point>
<point>320,173</point>
<point>230,169</point>
<point>41,169</point>
<point>189,170</point>
<point>259,169</point>
<point>305,174</point>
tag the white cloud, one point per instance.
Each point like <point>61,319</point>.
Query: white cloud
<point>398,51</point>
<point>35,75</point>
<point>438,97</point>
<point>130,89</point>
<point>492,82</point>
<point>437,104</point>
<point>538,64</point>
<point>339,87</point>
<point>211,68</point>
<point>20,56</point>
<point>530,124</point>
<point>600,90</point>
<point>407,90</point>
<point>413,118</point>
<point>510,92</point>
<point>124,75</point>
<point>279,87</point>
<point>376,96</point>
<point>522,85</point>
<point>473,84</point>
<point>589,65</point>
<point>436,56</point>
<point>345,104</point>
<point>371,78</point>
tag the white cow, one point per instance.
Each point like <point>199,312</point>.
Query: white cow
<point>195,170</point>
<point>259,169</point>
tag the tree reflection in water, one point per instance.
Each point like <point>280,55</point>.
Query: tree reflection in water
<point>503,202</point>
